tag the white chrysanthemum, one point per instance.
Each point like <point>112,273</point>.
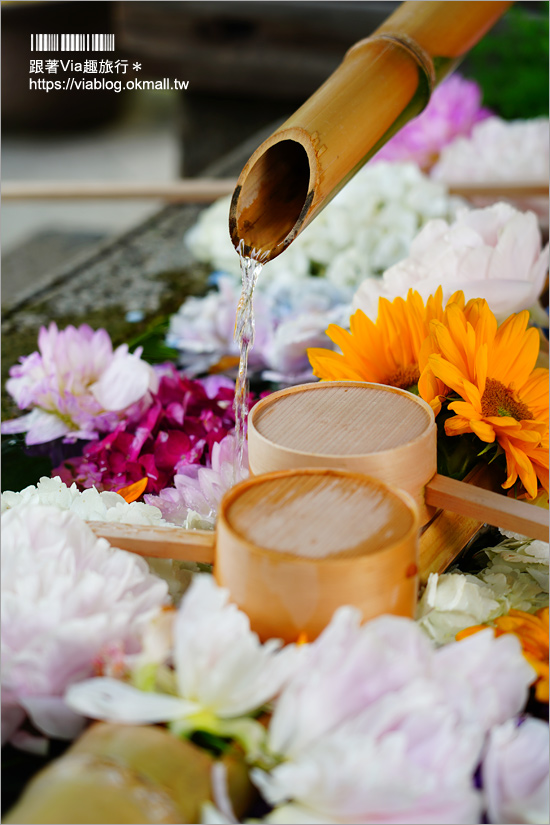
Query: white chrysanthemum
<point>90,505</point>
<point>65,596</point>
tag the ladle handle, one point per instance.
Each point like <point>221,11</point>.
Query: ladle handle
<point>159,542</point>
<point>487,507</point>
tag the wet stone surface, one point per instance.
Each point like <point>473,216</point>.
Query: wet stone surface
<point>147,270</point>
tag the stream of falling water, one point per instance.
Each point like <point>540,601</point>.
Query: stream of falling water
<point>244,335</point>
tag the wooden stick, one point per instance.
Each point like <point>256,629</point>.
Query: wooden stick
<point>206,190</point>
<point>498,190</point>
<point>488,507</point>
<point>159,542</point>
<point>190,190</point>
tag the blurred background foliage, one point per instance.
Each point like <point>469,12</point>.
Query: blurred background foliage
<point>511,63</point>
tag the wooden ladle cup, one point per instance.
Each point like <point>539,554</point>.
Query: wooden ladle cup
<point>383,432</point>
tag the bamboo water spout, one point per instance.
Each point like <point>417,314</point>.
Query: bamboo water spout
<point>383,82</point>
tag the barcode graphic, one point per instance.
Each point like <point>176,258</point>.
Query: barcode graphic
<point>72,42</point>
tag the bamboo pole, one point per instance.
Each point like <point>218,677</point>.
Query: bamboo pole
<point>383,82</point>
<point>207,190</point>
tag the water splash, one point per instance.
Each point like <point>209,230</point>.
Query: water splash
<point>251,266</point>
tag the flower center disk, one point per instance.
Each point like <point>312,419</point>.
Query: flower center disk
<point>498,400</point>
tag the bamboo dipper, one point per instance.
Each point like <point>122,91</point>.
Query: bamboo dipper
<point>293,546</point>
<point>383,432</point>
<point>383,82</point>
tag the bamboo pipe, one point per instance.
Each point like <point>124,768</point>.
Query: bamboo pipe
<point>207,190</point>
<point>383,82</point>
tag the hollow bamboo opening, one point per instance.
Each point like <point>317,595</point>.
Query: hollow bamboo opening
<point>383,82</point>
<point>274,196</point>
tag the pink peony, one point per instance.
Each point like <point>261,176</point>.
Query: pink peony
<point>453,110</point>
<point>77,386</point>
<point>379,726</point>
<point>66,595</point>
<point>515,772</point>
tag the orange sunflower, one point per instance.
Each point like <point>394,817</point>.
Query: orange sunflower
<point>385,352</point>
<point>502,396</point>
<point>532,631</point>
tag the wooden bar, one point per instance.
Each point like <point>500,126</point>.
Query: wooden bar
<point>207,190</point>
<point>199,190</point>
<point>159,542</point>
<point>488,507</point>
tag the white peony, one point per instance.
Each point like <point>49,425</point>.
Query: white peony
<point>223,673</point>
<point>494,253</point>
<point>498,150</point>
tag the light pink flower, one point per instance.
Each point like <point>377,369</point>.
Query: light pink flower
<point>348,667</point>
<point>485,678</point>
<point>65,596</point>
<point>379,726</point>
<point>515,773</point>
<point>454,108</point>
<point>494,253</point>
<point>406,759</point>
<point>195,498</point>
<point>77,386</point>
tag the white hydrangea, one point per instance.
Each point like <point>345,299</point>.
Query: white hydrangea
<point>90,505</point>
<point>364,230</point>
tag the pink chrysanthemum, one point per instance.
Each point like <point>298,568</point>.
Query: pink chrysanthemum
<point>76,385</point>
<point>195,498</point>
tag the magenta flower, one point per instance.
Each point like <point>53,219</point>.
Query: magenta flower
<point>185,420</point>
<point>453,110</point>
<point>76,386</point>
